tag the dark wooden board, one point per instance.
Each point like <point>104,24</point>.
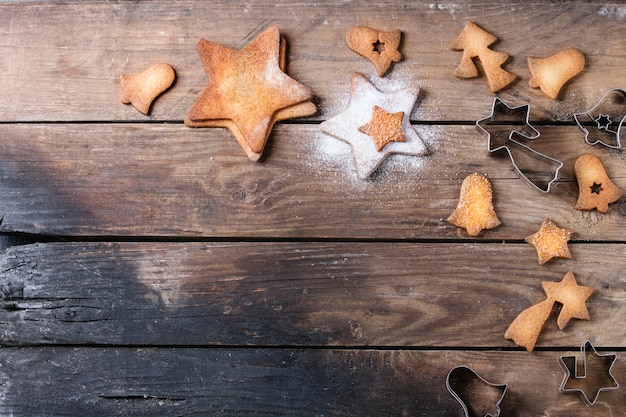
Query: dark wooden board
<point>169,180</point>
<point>297,294</point>
<point>62,61</point>
<point>279,382</point>
<point>173,277</point>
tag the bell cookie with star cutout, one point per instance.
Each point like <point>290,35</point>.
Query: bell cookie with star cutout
<point>595,188</point>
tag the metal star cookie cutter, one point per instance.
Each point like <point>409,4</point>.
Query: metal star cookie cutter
<point>466,393</point>
<point>607,116</point>
<point>508,129</point>
<point>576,382</point>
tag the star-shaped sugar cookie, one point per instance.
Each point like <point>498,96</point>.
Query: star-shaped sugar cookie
<point>572,297</point>
<point>550,241</point>
<point>248,91</point>
<point>384,128</point>
<point>347,125</point>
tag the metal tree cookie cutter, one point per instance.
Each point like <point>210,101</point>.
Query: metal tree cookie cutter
<point>478,397</point>
<point>603,123</point>
<point>508,129</point>
<point>594,377</point>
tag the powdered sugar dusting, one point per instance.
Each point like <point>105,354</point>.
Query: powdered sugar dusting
<point>363,97</point>
<point>613,11</point>
<point>328,154</point>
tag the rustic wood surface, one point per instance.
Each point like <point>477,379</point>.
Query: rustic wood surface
<point>151,269</point>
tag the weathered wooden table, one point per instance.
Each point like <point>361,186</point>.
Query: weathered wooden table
<point>151,269</point>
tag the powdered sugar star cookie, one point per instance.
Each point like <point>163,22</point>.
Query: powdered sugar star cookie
<point>364,96</point>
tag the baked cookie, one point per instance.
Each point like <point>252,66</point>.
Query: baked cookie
<point>552,73</point>
<point>595,188</point>
<point>526,327</point>
<point>384,128</point>
<point>474,211</point>
<point>376,134</point>
<point>475,42</point>
<point>143,88</point>
<point>550,241</point>
<point>248,91</point>
<point>380,48</point>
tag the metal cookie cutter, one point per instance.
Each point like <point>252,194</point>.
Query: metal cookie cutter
<point>594,377</point>
<point>603,123</point>
<point>478,397</point>
<point>508,129</point>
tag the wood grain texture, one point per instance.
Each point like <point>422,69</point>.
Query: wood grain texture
<point>150,269</point>
<point>279,382</point>
<point>62,61</point>
<point>169,180</point>
<point>297,294</point>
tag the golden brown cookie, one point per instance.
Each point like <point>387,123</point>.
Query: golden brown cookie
<point>572,297</point>
<point>380,48</point>
<point>475,42</point>
<point>552,73</point>
<point>141,89</point>
<point>550,241</point>
<point>524,330</point>
<point>595,188</point>
<point>474,211</point>
<point>526,327</point>
<point>248,91</point>
<point>384,128</point>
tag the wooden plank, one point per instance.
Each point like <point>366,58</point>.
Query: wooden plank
<point>297,294</point>
<point>279,382</point>
<point>169,180</point>
<point>63,61</point>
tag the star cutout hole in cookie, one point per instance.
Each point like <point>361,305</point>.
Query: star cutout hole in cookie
<point>550,241</point>
<point>596,188</point>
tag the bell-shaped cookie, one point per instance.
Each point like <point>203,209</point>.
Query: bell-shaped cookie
<point>552,73</point>
<point>142,88</point>
<point>474,211</point>
<point>380,48</point>
<point>595,188</point>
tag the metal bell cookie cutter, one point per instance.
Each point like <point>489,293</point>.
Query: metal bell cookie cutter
<point>591,379</point>
<point>603,123</point>
<point>508,129</point>
<point>467,386</point>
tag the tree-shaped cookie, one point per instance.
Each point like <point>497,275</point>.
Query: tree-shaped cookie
<point>475,42</point>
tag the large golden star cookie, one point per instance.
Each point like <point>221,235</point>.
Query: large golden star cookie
<point>248,91</point>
